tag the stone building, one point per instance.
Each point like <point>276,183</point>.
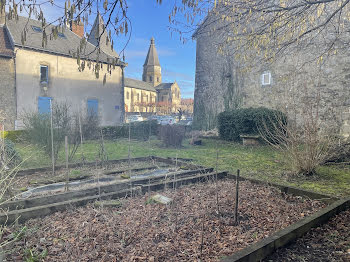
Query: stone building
<point>7,74</point>
<point>167,95</point>
<point>294,83</point>
<point>35,75</point>
<point>139,96</point>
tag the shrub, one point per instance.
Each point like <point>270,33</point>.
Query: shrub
<point>138,130</point>
<point>172,136</point>
<point>248,121</point>
<point>38,128</point>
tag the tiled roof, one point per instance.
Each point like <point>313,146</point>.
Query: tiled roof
<point>164,86</point>
<point>152,56</point>
<point>129,82</point>
<point>66,45</point>
<point>5,44</point>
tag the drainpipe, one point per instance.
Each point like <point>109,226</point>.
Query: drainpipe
<point>122,117</point>
<point>15,87</point>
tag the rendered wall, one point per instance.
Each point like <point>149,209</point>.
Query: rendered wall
<point>67,84</point>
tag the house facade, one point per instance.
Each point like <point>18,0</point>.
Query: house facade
<point>51,73</point>
<point>151,94</point>
<point>139,96</point>
<point>294,83</point>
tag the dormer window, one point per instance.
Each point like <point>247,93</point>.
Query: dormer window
<point>266,79</point>
<point>44,74</point>
<point>37,29</point>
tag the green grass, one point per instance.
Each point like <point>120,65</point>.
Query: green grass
<point>261,162</point>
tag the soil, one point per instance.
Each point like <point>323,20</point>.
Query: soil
<point>329,242</point>
<point>189,229</point>
<point>77,173</point>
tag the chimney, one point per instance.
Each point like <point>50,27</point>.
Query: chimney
<point>77,27</point>
<point>2,14</point>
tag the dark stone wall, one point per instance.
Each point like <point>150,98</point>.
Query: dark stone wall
<point>7,91</point>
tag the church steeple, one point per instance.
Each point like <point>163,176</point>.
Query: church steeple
<point>151,68</point>
<point>98,36</point>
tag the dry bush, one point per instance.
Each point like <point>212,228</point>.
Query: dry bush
<point>304,143</point>
<point>8,170</point>
<point>172,136</point>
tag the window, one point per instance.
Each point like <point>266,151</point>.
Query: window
<point>157,79</point>
<point>44,105</point>
<point>150,78</point>
<point>266,78</point>
<point>37,29</point>
<point>127,95</point>
<point>92,107</point>
<point>138,97</point>
<point>44,74</point>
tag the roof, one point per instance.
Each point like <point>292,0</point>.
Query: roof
<point>5,44</point>
<point>98,35</point>
<point>129,82</point>
<point>66,45</point>
<point>164,86</point>
<point>152,56</point>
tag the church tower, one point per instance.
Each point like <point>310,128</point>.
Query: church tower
<point>151,68</point>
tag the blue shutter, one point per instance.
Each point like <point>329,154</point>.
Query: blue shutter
<point>92,107</point>
<point>44,105</point>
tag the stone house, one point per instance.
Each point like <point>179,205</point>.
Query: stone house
<point>7,74</point>
<point>150,94</point>
<point>293,83</point>
<point>36,75</point>
<point>139,96</point>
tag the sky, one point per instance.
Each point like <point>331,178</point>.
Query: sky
<point>178,60</point>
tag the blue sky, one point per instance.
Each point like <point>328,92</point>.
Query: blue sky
<point>178,60</point>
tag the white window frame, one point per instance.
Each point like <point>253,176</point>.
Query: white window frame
<point>263,75</point>
<point>47,74</point>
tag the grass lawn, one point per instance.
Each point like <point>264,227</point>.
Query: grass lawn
<point>261,162</point>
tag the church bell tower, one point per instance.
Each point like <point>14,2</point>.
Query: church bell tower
<point>151,68</point>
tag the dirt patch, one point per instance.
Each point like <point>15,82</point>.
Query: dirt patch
<point>330,242</point>
<point>187,230</point>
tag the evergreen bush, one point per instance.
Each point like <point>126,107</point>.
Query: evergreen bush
<point>248,121</point>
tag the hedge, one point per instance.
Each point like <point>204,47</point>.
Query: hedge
<point>248,121</point>
<point>138,130</point>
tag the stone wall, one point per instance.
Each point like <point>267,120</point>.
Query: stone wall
<point>298,83</point>
<point>8,92</point>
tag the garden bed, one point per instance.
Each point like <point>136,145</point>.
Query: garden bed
<point>329,242</point>
<point>30,184</point>
<point>187,230</point>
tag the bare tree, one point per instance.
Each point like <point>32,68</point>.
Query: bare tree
<point>305,143</point>
<point>266,28</point>
<point>114,13</point>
